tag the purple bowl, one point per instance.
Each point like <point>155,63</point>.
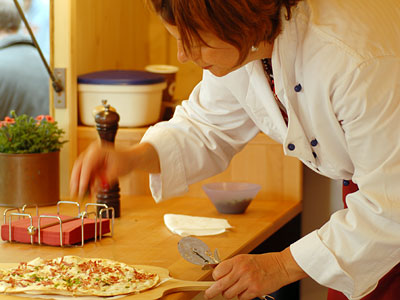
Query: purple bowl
<point>231,197</point>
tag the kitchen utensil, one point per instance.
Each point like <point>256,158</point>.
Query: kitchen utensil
<point>231,197</point>
<point>169,73</point>
<point>197,252</point>
<point>65,231</point>
<point>22,231</point>
<point>167,284</point>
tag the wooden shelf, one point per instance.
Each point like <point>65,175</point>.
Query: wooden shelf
<point>123,134</point>
<point>135,134</point>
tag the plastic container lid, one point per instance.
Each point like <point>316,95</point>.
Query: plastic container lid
<point>121,77</point>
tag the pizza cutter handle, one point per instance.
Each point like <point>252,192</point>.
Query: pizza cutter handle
<point>209,266</point>
<point>177,285</point>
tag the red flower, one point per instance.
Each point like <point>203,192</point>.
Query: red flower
<point>9,120</point>
<point>49,119</point>
<point>40,117</point>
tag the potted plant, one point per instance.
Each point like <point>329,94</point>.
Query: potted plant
<point>29,160</point>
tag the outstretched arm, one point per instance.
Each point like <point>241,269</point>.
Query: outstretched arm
<point>102,164</point>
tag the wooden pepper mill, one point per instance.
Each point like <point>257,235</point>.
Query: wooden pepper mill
<point>107,126</point>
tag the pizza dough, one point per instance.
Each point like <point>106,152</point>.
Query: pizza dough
<point>76,276</point>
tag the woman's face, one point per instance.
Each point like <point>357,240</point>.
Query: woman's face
<point>219,57</point>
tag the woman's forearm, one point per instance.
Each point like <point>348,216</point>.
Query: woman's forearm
<point>144,157</point>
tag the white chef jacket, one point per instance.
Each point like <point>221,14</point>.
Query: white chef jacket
<point>337,71</point>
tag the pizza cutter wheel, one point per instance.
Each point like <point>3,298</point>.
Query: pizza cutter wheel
<point>197,252</point>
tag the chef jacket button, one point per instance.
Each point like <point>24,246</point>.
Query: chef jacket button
<point>297,88</point>
<point>346,182</point>
<point>314,142</point>
<point>314,154</point>
<point>291,147</point>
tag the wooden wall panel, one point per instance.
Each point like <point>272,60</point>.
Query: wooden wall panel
<point>189,74</point>
<point>158,40</point>
<point>62,51</point>
<point>163,50</point>
<point>292,173</point>
<point>111,35</point>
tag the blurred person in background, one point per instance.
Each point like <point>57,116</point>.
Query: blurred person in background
<point>24,82</point>
<point>37,13</point>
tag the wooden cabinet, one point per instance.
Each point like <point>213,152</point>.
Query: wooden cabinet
<point>92,35</point>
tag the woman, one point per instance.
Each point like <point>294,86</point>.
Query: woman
<point>322,77</point>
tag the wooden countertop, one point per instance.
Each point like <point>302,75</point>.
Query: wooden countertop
<point>140,236</point>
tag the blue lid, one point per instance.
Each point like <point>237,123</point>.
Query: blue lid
<point>121,77</point>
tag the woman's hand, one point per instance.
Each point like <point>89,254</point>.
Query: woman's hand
<point>101,165</point>
<point>249,276</point>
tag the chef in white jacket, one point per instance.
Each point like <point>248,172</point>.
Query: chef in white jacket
<point>326,86</point>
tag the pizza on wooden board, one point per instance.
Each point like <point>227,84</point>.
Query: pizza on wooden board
<point>76,276</point>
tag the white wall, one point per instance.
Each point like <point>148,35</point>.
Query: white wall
<point>321,197</point>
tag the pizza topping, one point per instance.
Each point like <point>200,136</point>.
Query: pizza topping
<point>77,276</point>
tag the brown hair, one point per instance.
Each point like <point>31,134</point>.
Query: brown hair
<point>241,23</point>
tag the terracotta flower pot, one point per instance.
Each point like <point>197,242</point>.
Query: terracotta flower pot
<point>31,179</point>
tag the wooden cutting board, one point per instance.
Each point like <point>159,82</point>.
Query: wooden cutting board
<point>168,285</point>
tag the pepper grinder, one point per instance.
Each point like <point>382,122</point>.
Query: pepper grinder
<point>107,126</point>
